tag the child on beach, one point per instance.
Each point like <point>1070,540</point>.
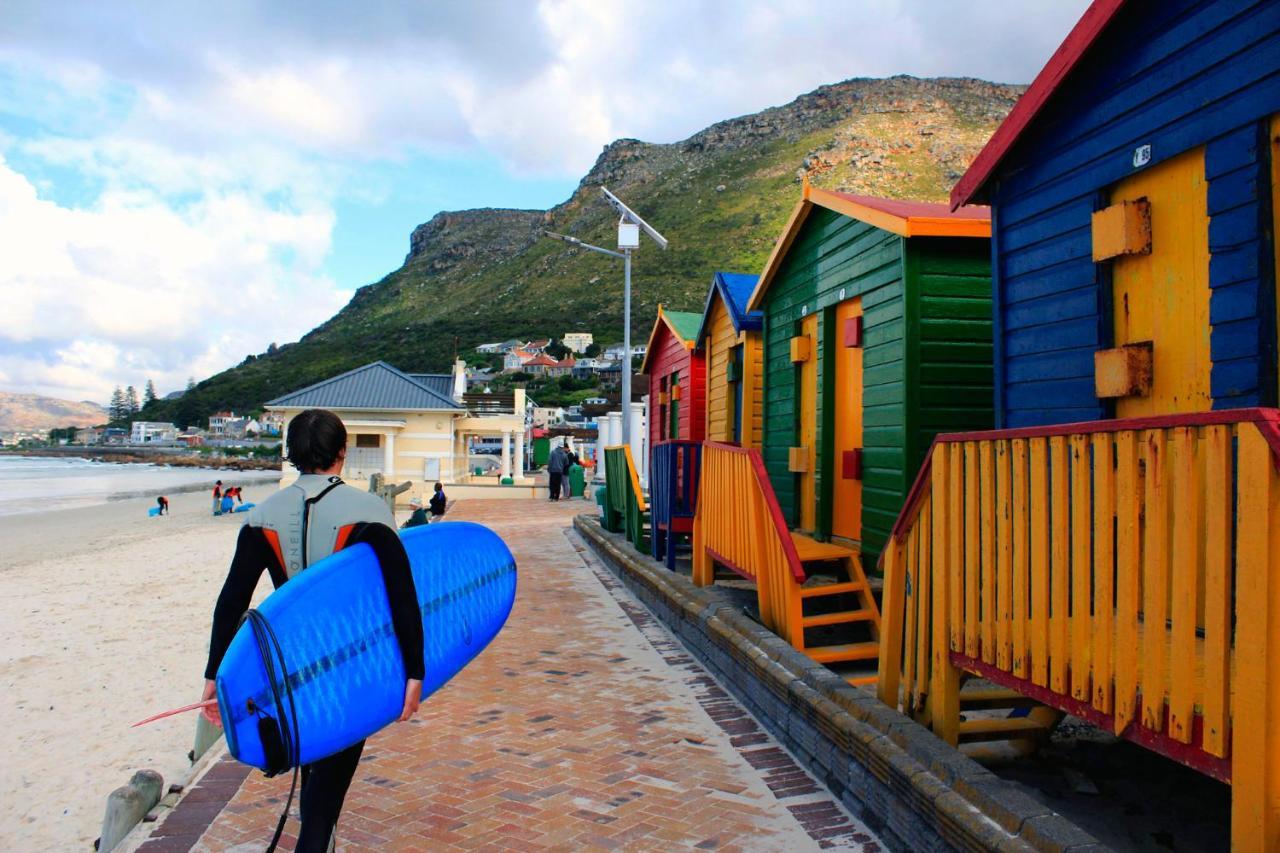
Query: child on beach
<point>217,498</point>
<point>163,504</point>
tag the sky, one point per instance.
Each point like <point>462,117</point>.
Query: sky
<point>183,184</point>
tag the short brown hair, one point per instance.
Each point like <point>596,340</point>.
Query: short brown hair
<point>315,438</point>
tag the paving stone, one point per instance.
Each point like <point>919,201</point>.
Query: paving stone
<point>585,724</point>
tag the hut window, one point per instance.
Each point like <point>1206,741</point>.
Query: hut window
<point>368,440</point>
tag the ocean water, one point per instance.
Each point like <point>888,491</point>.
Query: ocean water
<point>43,483</point>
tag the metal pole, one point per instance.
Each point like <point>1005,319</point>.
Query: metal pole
<point>626,347</point>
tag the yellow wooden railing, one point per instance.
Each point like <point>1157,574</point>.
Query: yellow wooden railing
<point>1124,571</point>
<point>747,533</point>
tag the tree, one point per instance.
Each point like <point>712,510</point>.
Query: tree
<point>131,401</point>
<point>149,394</point>
<point>117,409</point>
<point>592,351</point>
<point>556,350</point>
<point>191,382</point>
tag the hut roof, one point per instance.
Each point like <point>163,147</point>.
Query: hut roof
<point>683,324</point>
<point>734,289</point>
<point>1047,82</point>
<point>905,218</point>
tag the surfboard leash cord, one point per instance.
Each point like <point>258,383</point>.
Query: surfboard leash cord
<point>281,743</point>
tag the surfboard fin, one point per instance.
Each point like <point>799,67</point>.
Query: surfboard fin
<point>195,706</point>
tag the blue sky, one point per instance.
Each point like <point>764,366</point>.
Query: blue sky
<point>183,184</point>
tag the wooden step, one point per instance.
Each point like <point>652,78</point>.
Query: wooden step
<point>810,550</point>
<point>843,617</point>
<point>861,680</point>
<point>845,652</point>
<point>830,589</point>
<point>993,698</point>
<point>1002,728</point>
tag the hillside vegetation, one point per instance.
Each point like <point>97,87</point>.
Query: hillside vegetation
<point>721,197</point>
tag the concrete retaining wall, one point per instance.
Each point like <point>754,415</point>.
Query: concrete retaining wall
<point>912,788</point>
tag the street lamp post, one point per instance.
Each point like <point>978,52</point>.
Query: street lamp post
<point>629,227</point>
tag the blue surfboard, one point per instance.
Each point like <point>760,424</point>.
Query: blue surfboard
<point>334,628</point>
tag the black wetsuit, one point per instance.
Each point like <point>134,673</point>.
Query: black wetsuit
<point>353,518</point>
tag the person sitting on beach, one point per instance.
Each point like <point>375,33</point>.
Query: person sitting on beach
<point>163,503</point>
<point>294,528</point>
<point>217,498</point>
<point>438,503</point>
<point>419,515</point>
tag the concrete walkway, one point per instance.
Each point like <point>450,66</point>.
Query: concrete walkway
<point>584,725</point>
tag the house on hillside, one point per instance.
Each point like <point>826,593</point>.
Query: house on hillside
<point>410,426</point>
<point>538,345</point>
<point>577,341</point>
<point>86,436</point>
<point>516,359</point>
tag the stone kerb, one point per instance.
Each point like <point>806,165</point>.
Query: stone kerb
<point>891,772</point>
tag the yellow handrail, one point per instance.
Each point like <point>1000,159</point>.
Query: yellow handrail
<point>1109,570</point>
<point>738,524</point>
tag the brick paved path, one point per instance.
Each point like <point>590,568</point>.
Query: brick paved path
<point>584,725</point>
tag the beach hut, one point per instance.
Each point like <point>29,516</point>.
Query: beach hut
<point>677,378</point>
<point>1106,552</point>
<point>1134,188</point>
<point>729,339</point>
<point>877,336</point>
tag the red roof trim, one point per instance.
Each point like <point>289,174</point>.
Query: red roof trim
<point>1062,63</point>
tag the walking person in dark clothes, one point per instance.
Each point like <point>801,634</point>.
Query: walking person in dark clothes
<point>557,467</point>
<point>283,539</point>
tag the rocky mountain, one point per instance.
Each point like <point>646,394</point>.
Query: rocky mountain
<point>721,197</point>
<point>34,413</point>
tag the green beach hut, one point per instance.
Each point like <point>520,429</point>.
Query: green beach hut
<point>877,336</point>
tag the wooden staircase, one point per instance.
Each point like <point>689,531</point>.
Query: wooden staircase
<point>834,576</point>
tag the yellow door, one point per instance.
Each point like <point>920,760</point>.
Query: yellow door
<point>808,495</point>
<point>846,344</point>
<point>1163,297</point>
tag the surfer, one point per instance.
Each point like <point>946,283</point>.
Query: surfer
<point>297,526</point>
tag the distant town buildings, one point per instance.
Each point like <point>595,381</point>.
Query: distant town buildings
<point>152,432</point>
<point>614,353</point>
<point>218,422</point>
<point>577,341</point>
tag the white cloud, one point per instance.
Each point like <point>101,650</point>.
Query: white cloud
<point>137,287</point>
<point>208,145</point>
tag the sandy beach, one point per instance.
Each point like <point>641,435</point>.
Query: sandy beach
<point>106,616</point>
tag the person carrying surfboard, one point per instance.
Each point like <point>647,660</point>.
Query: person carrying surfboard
<point>300,525</point>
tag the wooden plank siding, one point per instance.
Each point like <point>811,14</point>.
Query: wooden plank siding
<point>720,341</point>
<point>1174,75</point>
<point>926,356</point>
<point>667,355</point>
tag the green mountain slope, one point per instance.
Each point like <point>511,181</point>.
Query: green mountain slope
<point>721,197</point>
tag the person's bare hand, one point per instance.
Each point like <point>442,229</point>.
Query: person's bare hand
<point>210,712</point>
<point>412,698</point>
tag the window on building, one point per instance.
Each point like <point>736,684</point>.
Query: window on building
<point>368,440</point>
